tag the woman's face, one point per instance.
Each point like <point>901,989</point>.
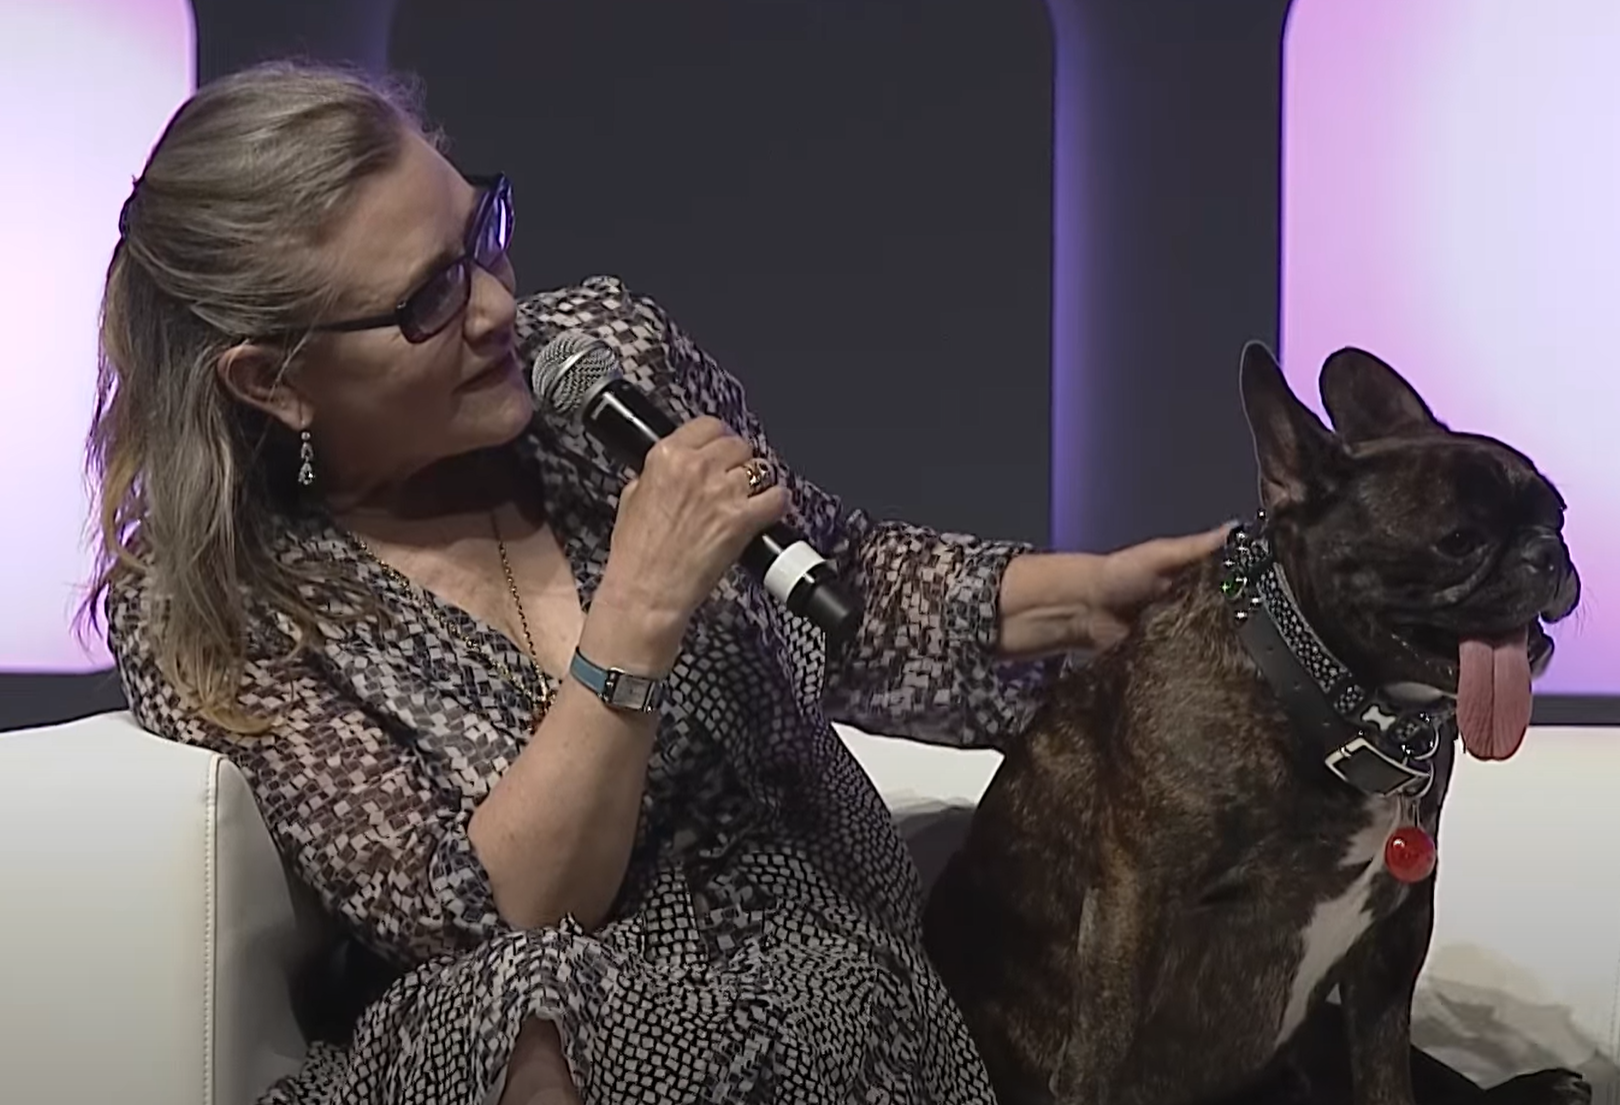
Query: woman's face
<point>379,408</point>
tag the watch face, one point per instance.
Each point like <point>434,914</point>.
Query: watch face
<point>618,689</point>
<point>632,693</point>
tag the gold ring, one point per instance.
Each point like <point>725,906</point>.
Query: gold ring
<point>759,476</point>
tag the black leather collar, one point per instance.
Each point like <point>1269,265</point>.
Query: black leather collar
<point>1368,740</point>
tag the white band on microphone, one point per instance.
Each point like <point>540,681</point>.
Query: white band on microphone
<point>786,570</point>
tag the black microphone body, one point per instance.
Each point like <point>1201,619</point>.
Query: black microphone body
<point>625,419</point>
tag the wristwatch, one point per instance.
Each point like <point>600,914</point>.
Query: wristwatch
<point>637,694</point>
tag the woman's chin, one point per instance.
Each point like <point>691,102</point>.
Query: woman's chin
<point>497,417</point>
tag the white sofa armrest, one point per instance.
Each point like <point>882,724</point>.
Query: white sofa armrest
<point>148,927</point>
<point>1524,967</point>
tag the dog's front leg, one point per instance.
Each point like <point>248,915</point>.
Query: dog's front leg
<point>1118,944</point>
<point>1376,987</point>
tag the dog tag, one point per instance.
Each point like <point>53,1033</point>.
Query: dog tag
<point>1409,854</point>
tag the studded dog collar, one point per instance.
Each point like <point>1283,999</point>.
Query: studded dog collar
<point>1367,739</point>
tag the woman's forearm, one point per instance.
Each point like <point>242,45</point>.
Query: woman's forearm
<point>1045,599</point>
<point>555,832</point>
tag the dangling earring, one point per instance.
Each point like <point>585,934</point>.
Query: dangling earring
<point>306,459</point>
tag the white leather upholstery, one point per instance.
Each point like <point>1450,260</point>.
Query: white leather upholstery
<point>147,929</point>
<point>1524,970</point>
<point>145,924</point>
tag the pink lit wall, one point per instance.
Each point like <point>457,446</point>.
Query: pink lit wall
<point>1451,201</point>
<point>85,88</point>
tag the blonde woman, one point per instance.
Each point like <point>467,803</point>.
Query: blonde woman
<point>341,549</point>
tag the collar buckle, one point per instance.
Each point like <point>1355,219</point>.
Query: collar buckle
<point>1363,765</point>
<point>1392,751</point>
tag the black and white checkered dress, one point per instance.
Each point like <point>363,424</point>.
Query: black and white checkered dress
<point>765,945</point>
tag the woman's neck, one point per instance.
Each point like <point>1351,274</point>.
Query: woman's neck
<point>472,483</point>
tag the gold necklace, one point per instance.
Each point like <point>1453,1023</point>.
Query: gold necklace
<point>536,701</point>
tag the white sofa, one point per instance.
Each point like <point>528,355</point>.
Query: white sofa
<point>148,930</point>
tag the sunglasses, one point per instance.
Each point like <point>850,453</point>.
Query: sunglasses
<point>441,297</point>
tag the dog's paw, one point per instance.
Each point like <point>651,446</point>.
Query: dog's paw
<point>1544,1087</point>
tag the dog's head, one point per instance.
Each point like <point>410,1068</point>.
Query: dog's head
<point>1421,556</point>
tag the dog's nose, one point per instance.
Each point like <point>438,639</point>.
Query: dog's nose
<point>1544,554</point>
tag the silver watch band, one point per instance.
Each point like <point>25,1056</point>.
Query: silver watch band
<point>619,689</point>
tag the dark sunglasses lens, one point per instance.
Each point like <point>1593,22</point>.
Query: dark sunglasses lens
<point>437,302</point>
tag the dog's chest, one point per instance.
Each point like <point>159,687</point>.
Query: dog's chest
<point>1338,922</point>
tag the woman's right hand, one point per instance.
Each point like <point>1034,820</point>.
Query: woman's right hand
<point>681,524</point>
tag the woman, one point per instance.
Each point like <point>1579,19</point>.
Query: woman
<point>341,551</point>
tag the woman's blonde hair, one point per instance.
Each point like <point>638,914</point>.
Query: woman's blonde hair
<point>219,245</point>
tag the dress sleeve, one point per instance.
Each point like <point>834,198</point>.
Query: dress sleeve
<point>349,807</point>
<point>923,664</point>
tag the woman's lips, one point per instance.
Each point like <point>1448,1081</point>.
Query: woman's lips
<point>494,373</point>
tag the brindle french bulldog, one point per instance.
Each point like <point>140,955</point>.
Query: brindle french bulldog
<point>1194,843</point>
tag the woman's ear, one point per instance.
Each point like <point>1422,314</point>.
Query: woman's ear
<point>257,375</point>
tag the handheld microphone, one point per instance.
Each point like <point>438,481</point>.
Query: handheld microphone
<point>578,376</point>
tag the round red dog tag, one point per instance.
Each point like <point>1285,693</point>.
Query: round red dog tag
<point>1409,854</point>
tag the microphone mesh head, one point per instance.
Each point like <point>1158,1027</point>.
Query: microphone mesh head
<point>568,368</point>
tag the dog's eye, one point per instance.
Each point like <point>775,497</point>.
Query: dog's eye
<point>1461,542</point>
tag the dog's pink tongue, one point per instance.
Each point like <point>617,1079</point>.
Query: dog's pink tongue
<point>1493,696</point>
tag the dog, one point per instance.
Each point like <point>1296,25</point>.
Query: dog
<point>1197,839</point>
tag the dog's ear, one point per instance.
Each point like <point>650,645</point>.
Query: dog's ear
<point>1367,399</point>
<point>1296,454</point>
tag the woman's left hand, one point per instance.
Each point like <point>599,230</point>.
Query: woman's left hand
<point>1053,602</point>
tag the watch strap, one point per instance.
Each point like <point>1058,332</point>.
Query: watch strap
<point>619,689</point>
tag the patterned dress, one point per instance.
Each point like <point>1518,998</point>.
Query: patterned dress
<point>765,945</point>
